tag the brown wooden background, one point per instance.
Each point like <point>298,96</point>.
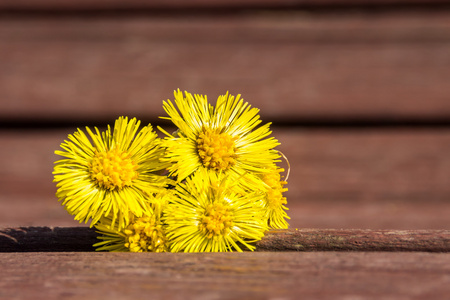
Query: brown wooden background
<point>359,95</point>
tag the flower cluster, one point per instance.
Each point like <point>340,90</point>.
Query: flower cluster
<point>213,185</point>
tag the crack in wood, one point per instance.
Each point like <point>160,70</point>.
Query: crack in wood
<point>80,239</point>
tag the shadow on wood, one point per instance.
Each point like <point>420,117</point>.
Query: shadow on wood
<point>75,239</point>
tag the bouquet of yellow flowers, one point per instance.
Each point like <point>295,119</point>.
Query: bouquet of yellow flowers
<point>213,185</point>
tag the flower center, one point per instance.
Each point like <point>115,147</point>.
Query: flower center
<point>216,221</point>
<point>145,235</point>
<point>275,194</point>
<point>216,149</point>
<point>113,169</point>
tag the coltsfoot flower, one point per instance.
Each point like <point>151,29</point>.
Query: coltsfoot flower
<point>110,173</point>
<point>211,186</point>
<point>208,215</point>
<point>274,200</point>
<point>222,139</point>
<point>143,234</point>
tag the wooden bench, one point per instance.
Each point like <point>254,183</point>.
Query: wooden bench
<point>359,96</point>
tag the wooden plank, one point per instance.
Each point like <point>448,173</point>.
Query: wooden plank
<point>326,165</point>
<point>367,165</point>
<point>391,179</point>
<point>339,213</point>
<point>319,275</point>
<point>48,239</point>
<point>42,209</point>
<point>293,66</point>
<point>13,5</point>
<point>355,240</point>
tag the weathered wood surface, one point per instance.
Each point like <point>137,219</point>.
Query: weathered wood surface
<point>356,240</point>
<point>93,5</point>
<point>336,165</point>
<point>318,275</point>
<point>42,210</point>
<point>296,67</point>
<point>328,62</point>
<point>370,179</point>
<point>47,239</point>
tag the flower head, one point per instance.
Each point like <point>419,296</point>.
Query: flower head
<point>143,234</point>
<point>109,173</point>
<point>208,215</point>
<point>274,200</point>
<point>221,139</point>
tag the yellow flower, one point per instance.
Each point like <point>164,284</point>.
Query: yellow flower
<point>274,200</point>
<point>112,173</point>
<point>143,234</point>
<point>221,139</point>
<point>208,215</point>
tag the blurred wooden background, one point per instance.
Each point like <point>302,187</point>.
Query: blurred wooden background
<point>358,93</point>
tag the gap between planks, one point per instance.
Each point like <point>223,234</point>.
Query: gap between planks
<point>76,239</point>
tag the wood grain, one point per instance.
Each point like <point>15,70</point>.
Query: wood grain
<point>70,239</point>
<point>293,66</point>
<point>369,179</point>
<point>19,210</point>
<point>318,275</point>
<point>19,5</point>
<point>364,165</point>
<point>355,240</point>
<point>324,62</point>
<point>368,165</point>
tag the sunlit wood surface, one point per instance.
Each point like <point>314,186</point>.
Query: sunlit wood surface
<point>358,94</point>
